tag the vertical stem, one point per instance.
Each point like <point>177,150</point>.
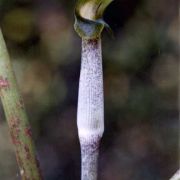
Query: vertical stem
<point>19,127</point>
<point>90,117</point>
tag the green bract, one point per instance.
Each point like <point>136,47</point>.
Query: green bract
<point>88,17</point>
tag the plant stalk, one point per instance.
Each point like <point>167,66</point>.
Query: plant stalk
<point>90,116</point>
<point>19,127</point>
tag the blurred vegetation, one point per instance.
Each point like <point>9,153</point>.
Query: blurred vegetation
<point>140,80</point>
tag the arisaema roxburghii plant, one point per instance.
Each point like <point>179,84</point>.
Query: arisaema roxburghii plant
<point>89,24</point>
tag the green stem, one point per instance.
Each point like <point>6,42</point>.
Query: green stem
<point>19,127</point>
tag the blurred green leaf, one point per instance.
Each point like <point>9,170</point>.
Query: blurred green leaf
<point>21,21</point>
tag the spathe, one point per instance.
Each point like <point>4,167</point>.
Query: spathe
<point>89,21</point>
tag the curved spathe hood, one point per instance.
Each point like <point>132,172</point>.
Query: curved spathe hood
<point>89,21</point>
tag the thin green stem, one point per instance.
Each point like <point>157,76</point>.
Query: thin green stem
<point>19,127</point>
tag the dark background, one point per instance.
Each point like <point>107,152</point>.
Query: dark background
<point>140,80</point>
